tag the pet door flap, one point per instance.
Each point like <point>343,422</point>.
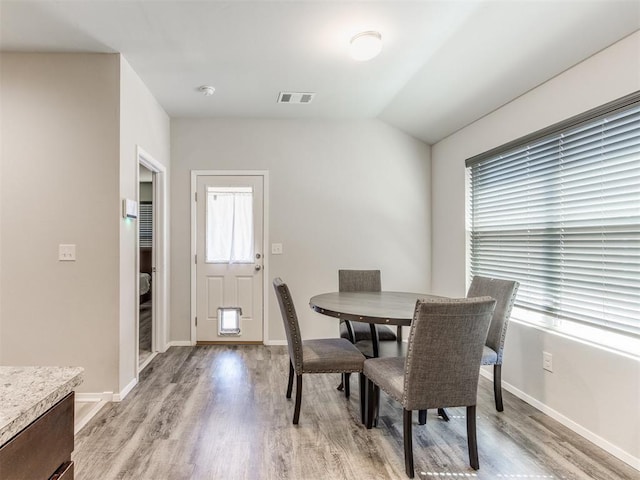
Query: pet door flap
<point>229,321</point>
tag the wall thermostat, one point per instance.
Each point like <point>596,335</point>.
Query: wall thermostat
<point>129,208</point>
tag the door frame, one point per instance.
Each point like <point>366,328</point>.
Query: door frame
<point>265,241</point>
<point>159,285</point>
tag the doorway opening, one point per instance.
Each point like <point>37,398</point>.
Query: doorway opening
<point>151,260</point>
<point>145,265</point>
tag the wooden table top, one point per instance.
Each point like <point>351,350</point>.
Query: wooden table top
<point>386,308</point>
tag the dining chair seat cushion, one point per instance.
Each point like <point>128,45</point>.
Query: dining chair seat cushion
<point>388,374</point>
<point>489,356</point>
<point>329,355</point>
<point>362,331</point>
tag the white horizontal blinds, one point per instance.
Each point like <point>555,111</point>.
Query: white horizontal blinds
<point>562,216</point>
<point>145,222</point>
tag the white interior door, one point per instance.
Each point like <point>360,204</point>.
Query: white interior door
<point>229,258</point>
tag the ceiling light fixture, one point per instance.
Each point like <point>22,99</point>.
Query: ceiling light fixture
<point>207,90</point>
<point>366,45</point>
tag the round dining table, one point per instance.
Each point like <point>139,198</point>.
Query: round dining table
<point>374,308</point>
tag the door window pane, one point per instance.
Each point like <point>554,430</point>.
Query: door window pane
<point>229,230</point>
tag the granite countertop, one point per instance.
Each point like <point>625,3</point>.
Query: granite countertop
<point>28,392</point>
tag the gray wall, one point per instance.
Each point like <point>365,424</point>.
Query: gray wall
<point>146,191</point>
<point>593,390</point>
<point>145,124</point>
<point>60,185</point>
<point>70,127</point>
<point>343,194</point>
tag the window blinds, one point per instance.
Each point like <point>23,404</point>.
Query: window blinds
<point>561,214</point>
<point>145,221</point>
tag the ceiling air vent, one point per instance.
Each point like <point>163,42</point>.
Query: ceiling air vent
<point>295,97</point>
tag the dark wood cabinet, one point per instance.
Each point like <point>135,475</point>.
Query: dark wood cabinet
<point>42,451</point>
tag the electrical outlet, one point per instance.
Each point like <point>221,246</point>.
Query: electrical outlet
<point>276,249</point>
<point>547,361</point>
<point>66,253</point>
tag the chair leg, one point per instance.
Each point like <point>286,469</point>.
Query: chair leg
<point>296,411</point>
<point>341,386</point>
<point>371,403</point>
<point>347,384</point>
<point>408,443</point>
<point>497,386</point>
<point>350,333</point>
<point>362,381</point>
<point>443,413</point>
<point>422,417</point>
<point>290,385</point>
<point>471,437</point>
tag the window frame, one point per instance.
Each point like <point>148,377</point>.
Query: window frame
<point>620,342</point>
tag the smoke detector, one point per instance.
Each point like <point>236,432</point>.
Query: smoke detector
<point>295,97</point>
<point>207,90</point>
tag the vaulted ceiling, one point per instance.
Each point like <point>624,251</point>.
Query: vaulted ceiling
<point>444,63</point>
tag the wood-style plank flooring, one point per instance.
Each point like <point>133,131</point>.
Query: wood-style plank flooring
<point>144,335</point>
<point>220,412</point>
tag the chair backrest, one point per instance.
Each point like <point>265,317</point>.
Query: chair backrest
<point>359,281</point>
<point>291,326</point>
<point>504,292</point>
<point>445,349</point>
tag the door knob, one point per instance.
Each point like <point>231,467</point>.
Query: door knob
<point>258,268</point>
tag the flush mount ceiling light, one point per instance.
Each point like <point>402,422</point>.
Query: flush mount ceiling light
<point>207,90</point>
<point>366,45</point>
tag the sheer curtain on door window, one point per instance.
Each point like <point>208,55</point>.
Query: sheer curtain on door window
<point>229,225</point>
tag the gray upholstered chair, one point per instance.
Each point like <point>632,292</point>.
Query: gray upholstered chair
<point>359,333</point>
<point>504,292</point>
<point>363,281</point>
<point>441,368</point>
<point>329,355</point>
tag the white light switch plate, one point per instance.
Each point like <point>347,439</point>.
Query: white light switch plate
<point>67,253</point>
<point>547,361</point>
<point>276,249</point>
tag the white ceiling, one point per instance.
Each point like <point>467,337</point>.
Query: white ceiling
<point>444,63</point>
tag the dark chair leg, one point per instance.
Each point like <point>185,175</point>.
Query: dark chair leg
<point>341,386</point>
<point>347,384</point>
<point>362,380</point>
<point>471,437</point>
<point>350,333</point>
<point>443,413</point>
<point>296,411</point>
<point>371,402</point>
<point>290,385</point>
<point>408,443</point>
<point>497,386</point>
<point>422,417</point>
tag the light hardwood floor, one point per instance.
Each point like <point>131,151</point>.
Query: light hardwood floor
<point>220,412</point>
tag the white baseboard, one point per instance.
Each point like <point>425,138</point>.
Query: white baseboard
<point>94,397</point>
<point>118,397</point>
<point>147,361</point>
<point>81,422</point>
<point>273,343</point>
<point>567,422</point>
<point>180,343</point>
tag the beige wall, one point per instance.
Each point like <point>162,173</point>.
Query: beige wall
<point>60,185</point>
<point>70,127</point>
<point>146,191</point>
<point>145,124</point>
<point>343,194</point>
<point>595,391</point>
